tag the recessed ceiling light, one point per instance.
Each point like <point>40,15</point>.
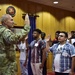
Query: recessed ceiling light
<point>55,2</point>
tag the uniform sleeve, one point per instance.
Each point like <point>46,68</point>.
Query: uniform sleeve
<point>11,37</point>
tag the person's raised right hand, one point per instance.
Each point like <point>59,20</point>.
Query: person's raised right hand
<point>27,21</point>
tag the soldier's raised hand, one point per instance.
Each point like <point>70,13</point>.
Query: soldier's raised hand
<point>27,21</point>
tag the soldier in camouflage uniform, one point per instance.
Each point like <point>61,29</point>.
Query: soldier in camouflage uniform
<point>7,41</point>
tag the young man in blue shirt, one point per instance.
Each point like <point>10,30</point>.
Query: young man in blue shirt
<point>64,55</point>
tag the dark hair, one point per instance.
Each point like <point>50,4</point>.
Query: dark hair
<point>57,32</point>
<point>74,43</point>
<point>43,33</point>
<point>66,35</point>
<point>72,31</point>
<point>37,30</point>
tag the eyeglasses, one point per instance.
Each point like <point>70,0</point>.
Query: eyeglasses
<point>60,36</point>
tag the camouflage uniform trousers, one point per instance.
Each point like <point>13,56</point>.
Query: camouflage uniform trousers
<point>9,69</point>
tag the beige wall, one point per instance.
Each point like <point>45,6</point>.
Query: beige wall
<point>50,19</point>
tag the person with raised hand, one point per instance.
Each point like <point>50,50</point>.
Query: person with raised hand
<point>7,41</point>
<point>63,55</point>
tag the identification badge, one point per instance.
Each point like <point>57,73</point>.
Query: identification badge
<point>36,44</point>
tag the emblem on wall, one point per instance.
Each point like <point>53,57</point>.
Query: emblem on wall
<point>11,10</point>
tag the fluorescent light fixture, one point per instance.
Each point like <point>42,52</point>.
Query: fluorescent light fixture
<point>55,2</point>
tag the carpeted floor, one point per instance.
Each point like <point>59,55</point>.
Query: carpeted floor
<point>50,73</point>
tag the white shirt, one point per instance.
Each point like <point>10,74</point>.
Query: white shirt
<point>72,40</point>
<point>22,48</point>
<point>57,58</point>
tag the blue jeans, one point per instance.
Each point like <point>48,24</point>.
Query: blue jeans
<point>24,69</point>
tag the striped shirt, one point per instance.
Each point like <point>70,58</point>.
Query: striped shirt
<point>36,50</point>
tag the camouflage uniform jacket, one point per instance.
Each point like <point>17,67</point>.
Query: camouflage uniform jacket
<point>7,41</point>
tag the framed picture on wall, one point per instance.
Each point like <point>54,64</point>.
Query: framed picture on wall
<point>11,10</point>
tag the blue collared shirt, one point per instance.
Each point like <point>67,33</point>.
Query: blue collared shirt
<point>65,60</point>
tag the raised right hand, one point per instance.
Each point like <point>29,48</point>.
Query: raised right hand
<point>27,21</point>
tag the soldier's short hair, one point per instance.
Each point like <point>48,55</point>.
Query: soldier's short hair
<point>4,18</point>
